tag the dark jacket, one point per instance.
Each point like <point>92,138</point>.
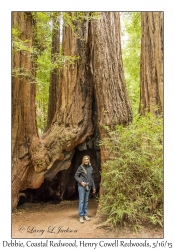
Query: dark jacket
<point>81,176</point>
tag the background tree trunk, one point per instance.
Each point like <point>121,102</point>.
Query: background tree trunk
<point>54,81</point>
<point>151,66</point>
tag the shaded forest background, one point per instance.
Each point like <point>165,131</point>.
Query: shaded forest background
<point>78,88</point>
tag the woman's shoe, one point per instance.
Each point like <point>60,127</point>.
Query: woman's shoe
<point>86,217</point>
<point>81,220</point>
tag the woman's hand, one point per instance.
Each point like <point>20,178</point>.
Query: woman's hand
<point>83,184</point>
<point>94,191</point>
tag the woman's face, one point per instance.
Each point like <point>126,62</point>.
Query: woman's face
<point>86,160</point>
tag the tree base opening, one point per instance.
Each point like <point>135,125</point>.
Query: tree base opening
<point>63,186</point>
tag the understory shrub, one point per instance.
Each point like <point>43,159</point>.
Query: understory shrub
<point>132,179</point>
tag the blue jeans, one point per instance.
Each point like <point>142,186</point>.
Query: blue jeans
<point>83,201</point>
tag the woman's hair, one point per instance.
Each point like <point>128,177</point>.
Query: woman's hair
<point>83,160</point>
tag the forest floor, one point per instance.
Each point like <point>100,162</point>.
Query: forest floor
<point>48,220</point>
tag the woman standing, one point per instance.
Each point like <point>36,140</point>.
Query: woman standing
<point>84,177</point>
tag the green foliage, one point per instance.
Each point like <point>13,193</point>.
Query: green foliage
<point>131,46</point>
<point>23,46</point>
<point>42,31</point>
<point>72,18</point>
<point>40,51</point>
<point>18,44</point>
<point>43,44</point>
<point>133,177</point>
<point>45,62</point>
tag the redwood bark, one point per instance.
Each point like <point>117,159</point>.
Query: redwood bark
<point>151,66</point>
<point>23,108</point>
<point>72,122</point>
<point>71,125</point>
<point>54,81</point>
<point>113,105</point>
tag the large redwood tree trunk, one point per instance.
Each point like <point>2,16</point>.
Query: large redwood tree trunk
<point>72,122</point>
<point>71,125</point>
<point>91,93</point>
<point>113,106</point>
<point>23,109</point>
<point>151,66</point>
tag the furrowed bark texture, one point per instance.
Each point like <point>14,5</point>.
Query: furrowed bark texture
<point>72,122</point>
<point>151,67</point>
<point>107,69</point>
<point>54,81</point>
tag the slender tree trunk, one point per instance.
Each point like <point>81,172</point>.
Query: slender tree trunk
<point>53,87</point>
<point>151,67</point>
<point>113,106</point>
